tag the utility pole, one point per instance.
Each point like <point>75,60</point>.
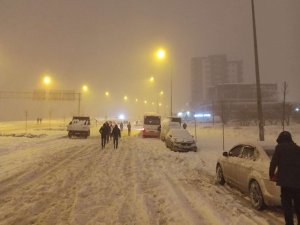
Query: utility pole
<point>79,99</point>
<point>26,117</point>
<point>283,104</point>
<point>171,81</point>
<point>258,90</point>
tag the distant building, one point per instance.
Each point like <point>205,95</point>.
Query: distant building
<point>239,102</point>
<point>242,93</point>
<point>208,72</point>
<point>235,71</point>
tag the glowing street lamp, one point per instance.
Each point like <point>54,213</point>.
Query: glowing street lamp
<point>47,80</point>
<point>125,98</point>
<point>136,100</point>
<point>107,94</point>
<point>145,101</point>
<point>85,88</point>
<point>161,55</point>
<point>151,79</point>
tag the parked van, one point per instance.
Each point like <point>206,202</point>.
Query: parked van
<point>151,125</point>
<point>166,125</point>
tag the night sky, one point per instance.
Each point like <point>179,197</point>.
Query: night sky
<point>109,45</point>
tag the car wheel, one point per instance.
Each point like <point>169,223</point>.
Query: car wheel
<point>220,176</point>
<point>256,196</point>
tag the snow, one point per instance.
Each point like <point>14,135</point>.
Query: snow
<point>47,178</point>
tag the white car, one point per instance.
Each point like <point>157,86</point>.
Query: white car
<point>180,140</point>
<point>166,125</point>
<point>246,167</point>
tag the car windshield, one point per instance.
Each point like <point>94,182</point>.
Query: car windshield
<point>270,152</point>
<point>180,133</point>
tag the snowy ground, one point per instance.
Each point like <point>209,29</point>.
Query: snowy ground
<point>47,178</point>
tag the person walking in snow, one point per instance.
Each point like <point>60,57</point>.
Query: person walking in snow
<point>116,134</point>
<point>103,132</point>
<point>184,125</point>
<point>129,128</point>
<point>108,132</point>
<point>286,160</point>
<point>121,126</point>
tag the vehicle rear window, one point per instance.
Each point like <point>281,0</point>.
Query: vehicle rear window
<point>152,120</point>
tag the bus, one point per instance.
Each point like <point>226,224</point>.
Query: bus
<point>151,125</point>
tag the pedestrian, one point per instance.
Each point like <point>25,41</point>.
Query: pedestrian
<point>129,128</point>
<point>184,125</point>
<point>108,132</point>
<point>103,132</point>
<point>121,126</point>
<point>116,134</point>
<point>286,163</point>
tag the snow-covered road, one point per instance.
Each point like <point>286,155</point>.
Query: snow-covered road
<point>56,180</point>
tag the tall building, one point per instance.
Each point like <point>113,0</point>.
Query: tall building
<point>210,71</point>
<point>235,71</point>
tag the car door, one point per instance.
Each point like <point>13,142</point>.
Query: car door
<point>246,164</point>
<point>230,164</point>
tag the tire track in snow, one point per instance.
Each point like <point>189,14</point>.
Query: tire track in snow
<point>40,190</point>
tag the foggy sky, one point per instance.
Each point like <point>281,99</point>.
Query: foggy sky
<point>109,45</point>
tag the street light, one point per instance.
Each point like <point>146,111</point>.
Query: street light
<point>151,79</point>
<point>85,88</point>
<point>158,104</point>
<point>47,80</point>
<point>161,55</point>
<point>107,94</point>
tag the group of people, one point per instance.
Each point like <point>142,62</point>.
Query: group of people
<point>285,170</point>
<point>108,131</point>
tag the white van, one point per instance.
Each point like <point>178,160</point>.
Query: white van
<point>166,125</point>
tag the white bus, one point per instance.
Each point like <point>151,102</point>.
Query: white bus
<point>151,125</point>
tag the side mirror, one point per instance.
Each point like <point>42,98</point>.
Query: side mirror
<point>225,154</point>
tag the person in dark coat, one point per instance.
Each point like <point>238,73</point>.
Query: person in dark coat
<point>286,160</point>
<point>184,125</point>
<point>103,132</point>
<point>108,132</point>
<point>121,126</point>
<point>129,128</point>
<point>116,134</point>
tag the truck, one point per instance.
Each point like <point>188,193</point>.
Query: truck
<point>79,126</point>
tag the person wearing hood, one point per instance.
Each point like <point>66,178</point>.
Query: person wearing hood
<point>104,131</point>
<point>116,134</point>
<point>286,163</point>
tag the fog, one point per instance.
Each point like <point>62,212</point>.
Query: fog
<point>110,45</point>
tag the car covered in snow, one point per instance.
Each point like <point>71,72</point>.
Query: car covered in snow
<point>246,167</point>
<point>180,140</point>
<point>79,126</point>
<point>166,125</point>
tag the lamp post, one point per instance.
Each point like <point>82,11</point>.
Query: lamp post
<point>158,104</point>
<point>84,89</point>
<point>107,95</point>
<point>161,55</point>
<point>47,82</point>
<point>258,90</point>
